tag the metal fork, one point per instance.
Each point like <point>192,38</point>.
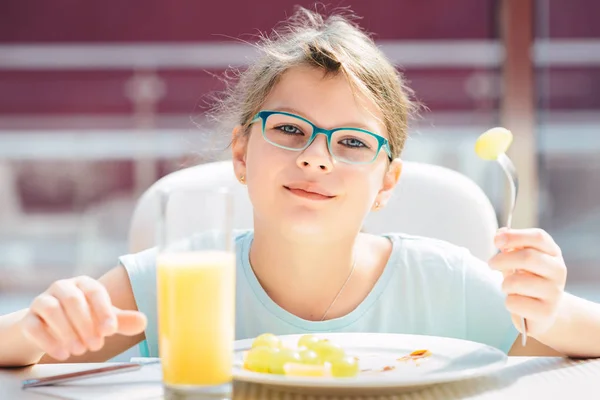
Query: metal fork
<point>511,173</point>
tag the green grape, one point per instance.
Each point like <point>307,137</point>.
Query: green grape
<point>308,356</point>
<point>280,358</point>
<point>266,339</point>
<point>345,367</point>
<point>328,351</point>
<point>259,358</point>
<point>307,341</point>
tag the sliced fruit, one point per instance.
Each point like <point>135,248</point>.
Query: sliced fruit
<point>328,351</point>
<point>307,341</point>
<point>312,370</point>
<point>345,367</point>
<point>266,339</point>
<point>282,357</point>
<point>259,358</point>
<point>308,356</point>
<point>493,142</point>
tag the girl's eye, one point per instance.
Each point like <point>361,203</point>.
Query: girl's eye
<point>291,129</point>
<point>353,142</point>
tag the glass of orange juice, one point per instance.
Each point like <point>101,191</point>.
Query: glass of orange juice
<point>196,290</point>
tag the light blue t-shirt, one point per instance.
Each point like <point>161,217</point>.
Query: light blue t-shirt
<point>428,287</point>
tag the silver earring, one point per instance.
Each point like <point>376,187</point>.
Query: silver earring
<point>377,205</point>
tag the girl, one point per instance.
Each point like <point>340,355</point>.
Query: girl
<point>306,266</point>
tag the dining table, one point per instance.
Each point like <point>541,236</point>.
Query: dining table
<point>520,378</point>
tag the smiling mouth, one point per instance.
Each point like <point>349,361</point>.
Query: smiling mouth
<point>308,195</point>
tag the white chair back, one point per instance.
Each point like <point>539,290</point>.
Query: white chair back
<point>429,200</point>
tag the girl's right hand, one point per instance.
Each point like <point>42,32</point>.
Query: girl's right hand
<point>74,316</point>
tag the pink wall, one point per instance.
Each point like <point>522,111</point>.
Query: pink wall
<point>193,20</point>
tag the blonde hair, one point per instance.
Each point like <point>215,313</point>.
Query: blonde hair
<point>334,44</point>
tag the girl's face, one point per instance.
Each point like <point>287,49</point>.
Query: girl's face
<point>304,193</point>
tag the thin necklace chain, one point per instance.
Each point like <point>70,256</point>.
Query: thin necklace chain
<point>341,290</point>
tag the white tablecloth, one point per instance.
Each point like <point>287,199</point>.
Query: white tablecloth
<point>522,378</point>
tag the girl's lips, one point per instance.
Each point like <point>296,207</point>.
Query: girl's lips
<point>308,194</point>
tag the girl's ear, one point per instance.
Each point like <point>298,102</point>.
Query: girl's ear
<point>239,144</point>
<point>390,180</point>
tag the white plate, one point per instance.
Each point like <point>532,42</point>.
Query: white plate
<point>451,360</point>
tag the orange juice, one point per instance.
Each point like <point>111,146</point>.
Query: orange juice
<point>196,317</point>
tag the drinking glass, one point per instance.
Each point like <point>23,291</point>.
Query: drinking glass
<point>196,290</point>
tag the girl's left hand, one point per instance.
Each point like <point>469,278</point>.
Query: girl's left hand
<point>534,276</point>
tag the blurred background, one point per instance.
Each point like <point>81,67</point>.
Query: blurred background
<point>100,99</point>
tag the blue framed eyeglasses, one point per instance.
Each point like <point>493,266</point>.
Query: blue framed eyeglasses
<point>293,132</point>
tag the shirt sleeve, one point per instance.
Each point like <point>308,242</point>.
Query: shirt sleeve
<point>141,269</point>
<point>487,319</point>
